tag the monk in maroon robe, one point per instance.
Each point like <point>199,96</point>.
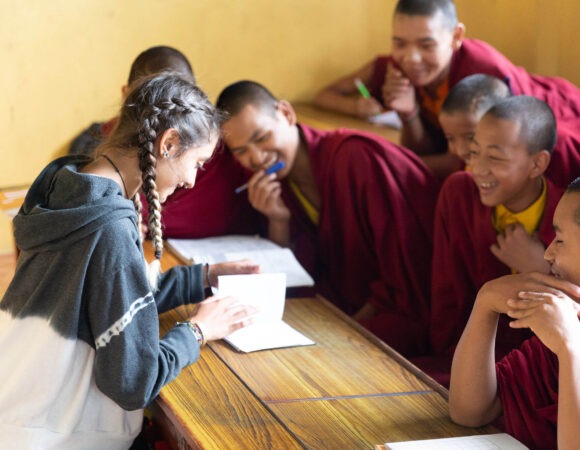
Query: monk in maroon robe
<point>429,55</point>
<point>565,162</point>
<point>536,387</point>
<point>463,261</point>
<point>369,246</point>
<point>475,56</point>
<point>492,221</point>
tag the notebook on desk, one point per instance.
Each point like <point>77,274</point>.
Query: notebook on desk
<point>271,257</point>
<point>499,441</point>
<point>267,293</point>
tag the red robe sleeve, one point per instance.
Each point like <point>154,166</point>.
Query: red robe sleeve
<point>374,237</point>
<point>211,207</point>
<point>565,160</point>
<point>476,56</point>
<point>527,381</point>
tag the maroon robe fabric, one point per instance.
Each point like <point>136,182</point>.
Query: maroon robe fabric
<point>211,207</point>
<point>565,160</point>
<point>374,237</point>
<point>463,262</point>
<point>527,381</point>
<point>476,56</point>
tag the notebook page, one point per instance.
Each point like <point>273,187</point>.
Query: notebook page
<point>500,441</point>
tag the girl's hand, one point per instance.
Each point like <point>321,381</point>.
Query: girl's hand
<point>220,317</point>
<point>243,266</point>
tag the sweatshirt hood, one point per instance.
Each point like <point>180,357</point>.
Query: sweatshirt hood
<point>63,206</point>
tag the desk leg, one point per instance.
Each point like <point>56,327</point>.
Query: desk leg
<point>168,430</point>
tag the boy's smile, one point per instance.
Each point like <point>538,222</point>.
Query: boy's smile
<point>258,139</point>
<point>502,167</point>
<point>422,47</point>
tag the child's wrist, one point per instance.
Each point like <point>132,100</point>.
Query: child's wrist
<point>410,116</point>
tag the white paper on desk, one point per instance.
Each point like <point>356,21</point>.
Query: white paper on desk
<point>499,441</point>
<point>267,293</point>
<point>388,119</point>
<point>271,257</point>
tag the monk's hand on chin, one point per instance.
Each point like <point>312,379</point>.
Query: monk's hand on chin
<point>550,314</point>
<point>520,251</point>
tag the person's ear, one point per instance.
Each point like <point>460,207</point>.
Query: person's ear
<point>286,109</point>
<point>169,144</point>
<point>540,161</point>
<point>124,91</point>
<point>458,35</point>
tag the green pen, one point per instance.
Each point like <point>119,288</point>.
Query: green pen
<point>362,88</point>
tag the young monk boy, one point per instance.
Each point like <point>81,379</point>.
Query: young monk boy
<point>463,108</point>
<point>537,387</point>
<point>493,220</point>
<point>356,209</point>
<point>212,208</point>
<point>473,96</point>
<point>429,56</point>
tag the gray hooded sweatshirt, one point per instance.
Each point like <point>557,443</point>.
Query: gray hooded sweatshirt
<point>80,353</point>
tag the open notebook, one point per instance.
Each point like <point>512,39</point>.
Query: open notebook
<point>500,441</point>
<point>267,293</point>
<point>271,257</point>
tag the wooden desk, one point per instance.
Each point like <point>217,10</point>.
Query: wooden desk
<point>329,120</point>
<point>11,200</point>
<point>348,391</point>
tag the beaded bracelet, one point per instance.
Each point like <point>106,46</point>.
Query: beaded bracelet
<point>196,331</point>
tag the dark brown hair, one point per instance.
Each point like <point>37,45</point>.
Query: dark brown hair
<point>154,105</point>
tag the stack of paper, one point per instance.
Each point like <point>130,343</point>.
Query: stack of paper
<point>267,293</point>
<point>271,257</point>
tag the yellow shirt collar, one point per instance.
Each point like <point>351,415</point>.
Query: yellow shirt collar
<point>309,208</point>
<point>530,218</point>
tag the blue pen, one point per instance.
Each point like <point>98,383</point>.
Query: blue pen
<point>270,170</point>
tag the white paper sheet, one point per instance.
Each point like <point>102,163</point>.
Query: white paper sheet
<point>271,257</point>
<point>500,441</point>
<point>266,292</point>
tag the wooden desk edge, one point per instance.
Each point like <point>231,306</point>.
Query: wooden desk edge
<point>389,350</point>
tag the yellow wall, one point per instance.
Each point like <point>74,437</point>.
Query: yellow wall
<point>540,35</point>
<point>63,62</point>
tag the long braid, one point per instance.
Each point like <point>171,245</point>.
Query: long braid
<point>154,105</point>
<point>139,208</point>
<point>147,164</point>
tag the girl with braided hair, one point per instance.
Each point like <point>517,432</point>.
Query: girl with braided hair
<point>81,354</point>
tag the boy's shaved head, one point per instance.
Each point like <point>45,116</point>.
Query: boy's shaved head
<point>535,117</point>
<point>237,96</point>
<point>429,8</point>
<point>159,59</point>
<point>475,94</point>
